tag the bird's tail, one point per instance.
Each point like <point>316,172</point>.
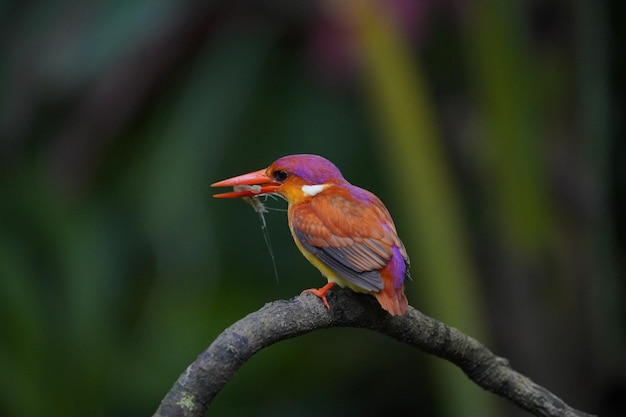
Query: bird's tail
<point>392,299</point>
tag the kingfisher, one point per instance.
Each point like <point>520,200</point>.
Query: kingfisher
<point>344,231</point>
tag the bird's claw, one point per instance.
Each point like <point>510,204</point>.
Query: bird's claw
<point>321,293</point>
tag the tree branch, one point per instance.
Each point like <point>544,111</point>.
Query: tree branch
<point>194,390</point>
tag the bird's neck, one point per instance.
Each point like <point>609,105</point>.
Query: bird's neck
<point>302,193</point>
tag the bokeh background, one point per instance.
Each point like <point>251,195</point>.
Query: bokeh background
<point>493,131</point>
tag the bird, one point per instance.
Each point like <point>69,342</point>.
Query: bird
<point>345,231</point>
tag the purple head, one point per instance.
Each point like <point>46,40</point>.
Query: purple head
<point>313,169</point>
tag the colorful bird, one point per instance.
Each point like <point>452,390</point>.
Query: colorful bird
<point>344,231</point>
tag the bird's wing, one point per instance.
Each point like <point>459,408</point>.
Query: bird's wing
<point>353,238</point>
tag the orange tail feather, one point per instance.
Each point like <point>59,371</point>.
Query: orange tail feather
<point>393,300</point>
<point>392,297</point>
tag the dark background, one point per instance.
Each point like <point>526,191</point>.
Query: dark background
<point>493,131</point>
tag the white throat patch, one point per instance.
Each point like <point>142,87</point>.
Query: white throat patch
<point>311,190</point>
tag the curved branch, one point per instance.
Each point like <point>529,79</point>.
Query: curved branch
<point>194,390</point>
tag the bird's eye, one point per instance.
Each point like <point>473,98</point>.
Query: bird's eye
<point>280,176</point>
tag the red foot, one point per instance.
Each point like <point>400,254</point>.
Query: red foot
<point>321,293</point>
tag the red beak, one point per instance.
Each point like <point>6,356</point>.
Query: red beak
<point>247,185</point>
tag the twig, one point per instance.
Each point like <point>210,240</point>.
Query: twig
<point>194,390</point>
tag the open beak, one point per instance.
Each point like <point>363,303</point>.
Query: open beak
<point>247,185</point>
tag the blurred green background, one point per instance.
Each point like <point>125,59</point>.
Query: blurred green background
<point>493,131</point>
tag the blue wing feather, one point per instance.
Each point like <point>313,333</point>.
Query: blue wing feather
<point>335,258</point>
